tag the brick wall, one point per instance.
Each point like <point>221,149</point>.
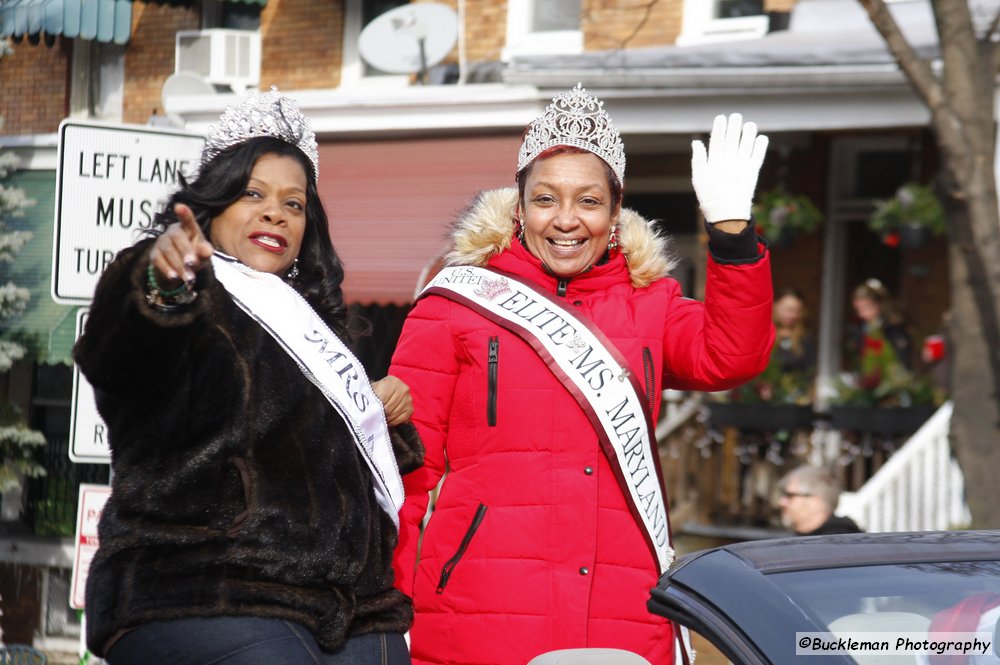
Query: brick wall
<point>610,24</point>
<point>301,44</point>
<point>485,29</point>
<point>149,56</point>
<point>34,82</point>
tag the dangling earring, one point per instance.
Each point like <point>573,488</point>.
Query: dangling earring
<point>613,238</point>
<point>520,229</point>
<point>294,272</point>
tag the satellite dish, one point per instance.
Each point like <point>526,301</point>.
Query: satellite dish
<point>185,83</point>
<point>409,38</point>
<point>180,83</point>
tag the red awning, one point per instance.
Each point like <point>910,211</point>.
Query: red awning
<point>391,203</point>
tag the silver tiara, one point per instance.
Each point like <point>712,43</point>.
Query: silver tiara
<point>262,114</point>
<point>575,118</point>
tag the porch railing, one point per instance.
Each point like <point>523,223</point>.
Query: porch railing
<point>919,488</point>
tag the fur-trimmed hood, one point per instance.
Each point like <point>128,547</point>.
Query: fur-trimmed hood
<point>485,228</point>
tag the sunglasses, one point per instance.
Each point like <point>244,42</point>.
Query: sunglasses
<point>791,495</point>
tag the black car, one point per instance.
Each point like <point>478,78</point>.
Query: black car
<point>754,600</point>
<point>751,599</point>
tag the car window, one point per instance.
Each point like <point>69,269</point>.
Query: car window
<point>925,598</point>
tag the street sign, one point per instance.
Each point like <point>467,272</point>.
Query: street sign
<point>88,515</point>
<point>88,440</point>
<point>110,182</point>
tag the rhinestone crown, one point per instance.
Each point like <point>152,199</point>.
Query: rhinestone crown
<point>578,119</point>
<point>262,114</point>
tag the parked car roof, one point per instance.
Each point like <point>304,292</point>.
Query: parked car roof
<point>861,549</point>
<point>750,599</point>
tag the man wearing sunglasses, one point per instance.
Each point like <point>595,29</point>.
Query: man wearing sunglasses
<point>808,499</point>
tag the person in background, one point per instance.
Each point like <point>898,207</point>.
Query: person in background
<point>536,359</point>
<point>788,378</point>
<point>808,499</point>
<point>879,342</point>
<point>794,346</point>
<point>255,488</point>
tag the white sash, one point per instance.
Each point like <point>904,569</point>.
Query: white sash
<point>325,361</point>
<point>592,370</point>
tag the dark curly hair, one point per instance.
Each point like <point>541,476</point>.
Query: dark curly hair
<point>222,181</point>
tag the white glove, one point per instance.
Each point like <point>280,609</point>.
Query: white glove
<point>725,178</point>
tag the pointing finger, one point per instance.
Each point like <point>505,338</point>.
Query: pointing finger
<point>198,249</point>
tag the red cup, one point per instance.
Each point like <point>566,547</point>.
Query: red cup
<point>934,348</point>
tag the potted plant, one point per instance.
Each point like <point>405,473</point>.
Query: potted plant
<point>773,401</point>
<point>909,218</point>
<point>780,216</point>
<point>900,403</point>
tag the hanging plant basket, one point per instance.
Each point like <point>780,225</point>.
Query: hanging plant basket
<point>880,420</point>
<point>910,218</point>
<point>781,216</point>
<point>913,235</point>
<point>761,416</point>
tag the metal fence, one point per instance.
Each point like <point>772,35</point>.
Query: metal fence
<point>50,501</point>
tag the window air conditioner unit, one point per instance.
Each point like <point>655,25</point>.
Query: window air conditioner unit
<point>221,56</point>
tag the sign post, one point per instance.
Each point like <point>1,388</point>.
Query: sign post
<point>88,440</point>
<point>88,515</point>
<point>111,180</point>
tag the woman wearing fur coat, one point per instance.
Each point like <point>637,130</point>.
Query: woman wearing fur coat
<point>255,489</point>
<point>536,358</point>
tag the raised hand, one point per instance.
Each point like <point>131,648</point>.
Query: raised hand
<point>180,251</point>
<point>725,176</point>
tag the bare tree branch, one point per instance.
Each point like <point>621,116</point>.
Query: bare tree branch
<point>917,70</point>
<point>960,57</point>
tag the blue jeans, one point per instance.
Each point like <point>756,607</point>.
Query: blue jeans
<point>248,641</point>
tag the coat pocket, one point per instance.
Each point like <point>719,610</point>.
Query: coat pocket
<point>244,475</point>
<point>492,376</point>
<point>449,566</point>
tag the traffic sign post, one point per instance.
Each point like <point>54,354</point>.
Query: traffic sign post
<point>88,441</point>
<point>111,180</point>
<point>88,515</point>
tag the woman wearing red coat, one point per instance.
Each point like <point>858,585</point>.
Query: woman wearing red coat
<point>536,358</point>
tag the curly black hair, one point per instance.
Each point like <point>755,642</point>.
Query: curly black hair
<point>223,180</point>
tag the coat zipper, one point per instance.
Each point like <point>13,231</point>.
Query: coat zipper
<point>492,375</point>
<point>650,376</point>
<point>449,565</point>
<point>561,287</point>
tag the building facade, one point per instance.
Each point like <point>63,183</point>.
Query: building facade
<point>403,151</point>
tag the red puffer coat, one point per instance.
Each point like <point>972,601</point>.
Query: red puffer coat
<point>531,546</point>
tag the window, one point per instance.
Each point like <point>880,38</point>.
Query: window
<point>543,26</point>
<point>738,8</point>
<point>233,15</point>
<point>722,20</point>
<point>98,80</point>
<point>555,15</point>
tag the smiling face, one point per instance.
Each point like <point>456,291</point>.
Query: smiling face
<point>567,212</point>
<point>263,229</point>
